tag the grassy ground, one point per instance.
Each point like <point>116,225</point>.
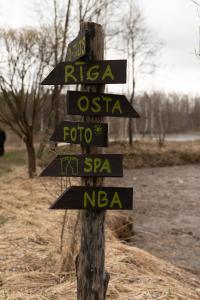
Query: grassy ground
<point>31,255</point>
<point>12,159</point>
<point>145,153</point>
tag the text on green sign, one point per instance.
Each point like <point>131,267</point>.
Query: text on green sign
<point>75,72</point>
<point>95,104</point>
<point>100,199</point>
<point>81,133</point>
<point>78,49</point>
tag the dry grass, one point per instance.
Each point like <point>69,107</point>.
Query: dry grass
<point>31,259</point>
<point>146,153</point>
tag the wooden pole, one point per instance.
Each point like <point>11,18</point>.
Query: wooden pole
<point>92,280</point>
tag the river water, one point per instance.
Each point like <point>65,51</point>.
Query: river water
<point>182,137</point>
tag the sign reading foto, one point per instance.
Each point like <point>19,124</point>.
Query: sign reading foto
<point>84,103</point>
<point>87,72</point>
<point>98,198</point>
<point>84,133</point>
<point>102,165</point>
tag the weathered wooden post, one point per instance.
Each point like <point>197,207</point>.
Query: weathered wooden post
<point>85,66</point>
<point>92,279</point>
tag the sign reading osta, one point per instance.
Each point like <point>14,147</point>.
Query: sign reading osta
<point>84,103</point>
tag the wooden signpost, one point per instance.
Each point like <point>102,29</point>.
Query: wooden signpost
<point>102,165</point>
<point>78,48</point>
<point>87,72</point>
<point>98,198</point>
<point>96,104</point>
<point>92,197</point>
<point>83,133</point>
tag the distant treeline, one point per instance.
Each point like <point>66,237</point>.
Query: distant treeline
<point>29,54</point>
<point>160,114</point>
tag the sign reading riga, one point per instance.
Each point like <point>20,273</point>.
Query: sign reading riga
<point>87,72</point>
<point>84,133</point>
<point>98,198</point>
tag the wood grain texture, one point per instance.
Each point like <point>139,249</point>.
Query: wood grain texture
<point>78,48</point>
<point>92,279</point>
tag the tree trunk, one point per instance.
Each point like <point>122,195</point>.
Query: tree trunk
<point>92,280</point>
<point>52,121</point>
<point>31,157</point>
<point>130,131</point>
<point>151,118</point>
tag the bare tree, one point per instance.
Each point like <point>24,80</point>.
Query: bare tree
<point>58,21</point>
<point>21,71</point>
<point>140,51</point>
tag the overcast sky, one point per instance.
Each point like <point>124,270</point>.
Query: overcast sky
<point>174,22</point>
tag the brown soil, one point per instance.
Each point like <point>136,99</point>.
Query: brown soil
<point>167,213</point>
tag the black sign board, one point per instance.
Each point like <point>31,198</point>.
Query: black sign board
<point>78,48</point>
<point>102,165</point>
<point>98,198</point>
<point>86,134</point>
<point>87,72</point>
<point>83,103</point>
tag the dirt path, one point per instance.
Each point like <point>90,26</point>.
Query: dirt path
<point>167,212</point>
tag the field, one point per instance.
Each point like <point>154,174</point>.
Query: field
<point>155,261</point>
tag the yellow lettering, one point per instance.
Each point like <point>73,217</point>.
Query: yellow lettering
<point>83,103</point>
<point>66,133</point>
<point>69,54</point>
<point>80,63</point>
<point>116,201</point>
<point>105,166</point>
<point>91,75</point>
<point>102,199</point>
<point>107,100</point>
<point>88,135</point>
<point>73,134</point>
<point>69,70</point>
<point>108,73</point>
<point>117,106</point>
<point>81,128</point>
<point>83,44</point>
<point>88,165</point>
<point>96,104</point>
<point>97,163</point>
<point>87,198</point>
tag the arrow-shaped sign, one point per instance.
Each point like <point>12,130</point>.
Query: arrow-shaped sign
<point>98,198</point>
<point>87,72</point>
<point>84,103</point>
<point>102,165</point>
<point>84,133</point>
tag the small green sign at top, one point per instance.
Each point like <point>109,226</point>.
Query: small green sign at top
<point>78,48</point>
